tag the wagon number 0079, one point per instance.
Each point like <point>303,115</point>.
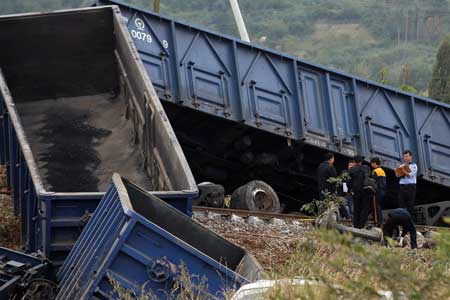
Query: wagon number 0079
<point>139,35</point>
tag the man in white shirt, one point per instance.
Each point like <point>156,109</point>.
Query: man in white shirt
<point>407,193</point>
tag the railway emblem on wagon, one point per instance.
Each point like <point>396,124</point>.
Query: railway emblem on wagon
<point>139,24</point>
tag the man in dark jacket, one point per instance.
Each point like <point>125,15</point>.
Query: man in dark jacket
<point>400,217</point>
<point>361,200</point>
<point>326,171</point>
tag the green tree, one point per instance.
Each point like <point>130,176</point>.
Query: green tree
<point>408,88</point>
<point>439,87</point>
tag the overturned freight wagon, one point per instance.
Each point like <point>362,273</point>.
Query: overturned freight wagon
<point>76,105</point>
<point>137,245</point>
<point>244,112</point>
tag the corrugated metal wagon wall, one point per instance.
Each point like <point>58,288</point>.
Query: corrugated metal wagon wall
<point>289,97</point>
<point>76,108</point>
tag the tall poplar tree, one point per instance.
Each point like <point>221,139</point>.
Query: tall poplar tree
<point>439,87</point>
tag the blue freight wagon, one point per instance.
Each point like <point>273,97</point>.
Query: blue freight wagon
<point>75,106</point>
<point>137,245</point>
<point>243,112</point>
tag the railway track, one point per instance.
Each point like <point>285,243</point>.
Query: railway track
<point>246,214</point>
<point>301,218</point>
<point>424,228</point>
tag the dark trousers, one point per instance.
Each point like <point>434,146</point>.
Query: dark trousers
<point>379,199</point>
<point>405,222</point>
<point>413,236</point>
<point>407,196</point>
<point>346,210</point>
<point>361,204</point>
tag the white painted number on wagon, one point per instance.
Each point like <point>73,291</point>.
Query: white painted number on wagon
<point>165,44</point>
<point>141,36</point>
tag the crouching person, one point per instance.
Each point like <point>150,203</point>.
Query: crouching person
<point>400,217</point>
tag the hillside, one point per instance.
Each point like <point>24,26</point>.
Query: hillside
<point>392,41</point>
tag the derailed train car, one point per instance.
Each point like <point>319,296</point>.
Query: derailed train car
<point>76,105</point>
<point>137,245</point>
<point>244,112</point>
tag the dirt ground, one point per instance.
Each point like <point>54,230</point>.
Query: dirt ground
<point>271,244</point>
<point>9,223</point>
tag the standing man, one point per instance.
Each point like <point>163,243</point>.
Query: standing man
<point>380,176</point>
<point>347,208</point>
<point>400,217</point>
<point>361,200</point>
<point>408,180</point>
<point>326,171</point>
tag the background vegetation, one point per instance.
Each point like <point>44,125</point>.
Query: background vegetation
<point>392,41</point>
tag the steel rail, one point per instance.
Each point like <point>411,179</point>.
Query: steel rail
<point>246,213</point>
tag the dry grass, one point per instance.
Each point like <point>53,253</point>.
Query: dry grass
<point>348,268</point>
<point>271,245</point>
<point>2,177</point>
<point>9,223</point>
